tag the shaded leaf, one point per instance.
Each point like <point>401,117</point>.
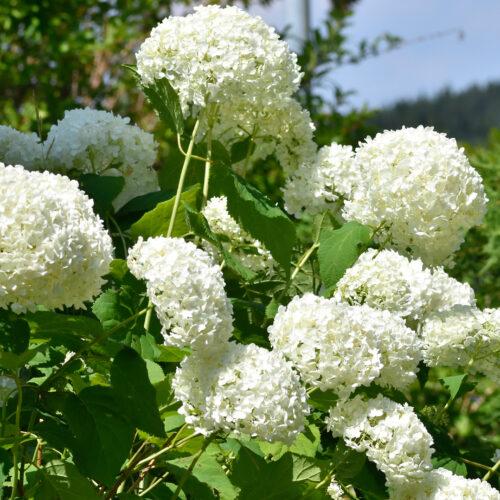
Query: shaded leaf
<point>256,214</point>
<point>61,480</point>
<point>102,436</point>
<point>134,392</point>
<point>103,189</point>
<point>322,400</point>
<point>370,482</point>
<point>14,332</point>
<point>458,468</point>
<point>240,150</point>
<point>144,203</point>
<point>264,480</point>
<point>165,102</point>
<point>347,463</point>
<point>50,325</point>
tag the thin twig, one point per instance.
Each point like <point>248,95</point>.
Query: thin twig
<point>491,471</point>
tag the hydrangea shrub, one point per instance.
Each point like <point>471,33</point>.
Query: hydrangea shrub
<point>212,344</point>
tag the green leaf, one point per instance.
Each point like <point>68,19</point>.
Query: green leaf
<point>134,392</point>
<point>199,225</point>
<point>207,471</point>
<point>272,308</point>
<point>144,203</point>
<point>14,333</point>
<point>248,319</point>
<point>5,464</point>
<point>111,309</point>
<point>305,469</point>
<point>322,400</point>
<point>339,249</point>
<point>240,150</point>
<point>347,463</point>
<point>103,189</point>
<point>155,222</point>
<point>172,420</point>
<point>60,480</point>
<point>165,101</point>
<point>102,435</point>
<point>263,480</point>
<point>458,468</point>
<point>457,385</point>
<point>256,214</point>
<point>50,325</point>
<point>370,482</point>
<point>307,442</point>
<point>171,354</point>
<point>422,374</point>
<point>118,269</point>
<point>220,153</point>
<point>11,361</point>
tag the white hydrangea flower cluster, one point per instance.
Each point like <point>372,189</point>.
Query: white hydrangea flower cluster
<point>282,128</point>
<point>235,68</point>
<point>54,250</point>
<point>384,279</point>
<point>341,347</point>
<point>335,491</point>
<point>244,389</point>
<point>314,187</point>
<point>442,484</point>
<point>221,223</point>
<point>187,289</point>
<point>390,433</point>
<point>414,184</point>
<point>421,186</point>
<point>447,292</point>
<point>99,142</point>
<point>18,148</point>
<point>461,336</point>
<point>219,55</point>
<point>387,280</point>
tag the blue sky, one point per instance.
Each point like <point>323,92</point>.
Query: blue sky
<point>417,69</point>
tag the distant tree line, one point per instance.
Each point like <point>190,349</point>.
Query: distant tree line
<point>468,115</point>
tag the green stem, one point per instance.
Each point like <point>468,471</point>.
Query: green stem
<point>147,318</point>
<point>182,178</point>
<point>154,484</point>
<point>157,454</point>
<point>120,482</point>
<point>491,471</point>
<point>206,178</point>
<point>476,464</point>
<point>190,469</point>
<point>15,448</point>
<point>188,155</point>
<point>135,465</point>
<point>303,260</point>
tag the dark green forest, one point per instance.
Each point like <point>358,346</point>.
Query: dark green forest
<point>467,115</point>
